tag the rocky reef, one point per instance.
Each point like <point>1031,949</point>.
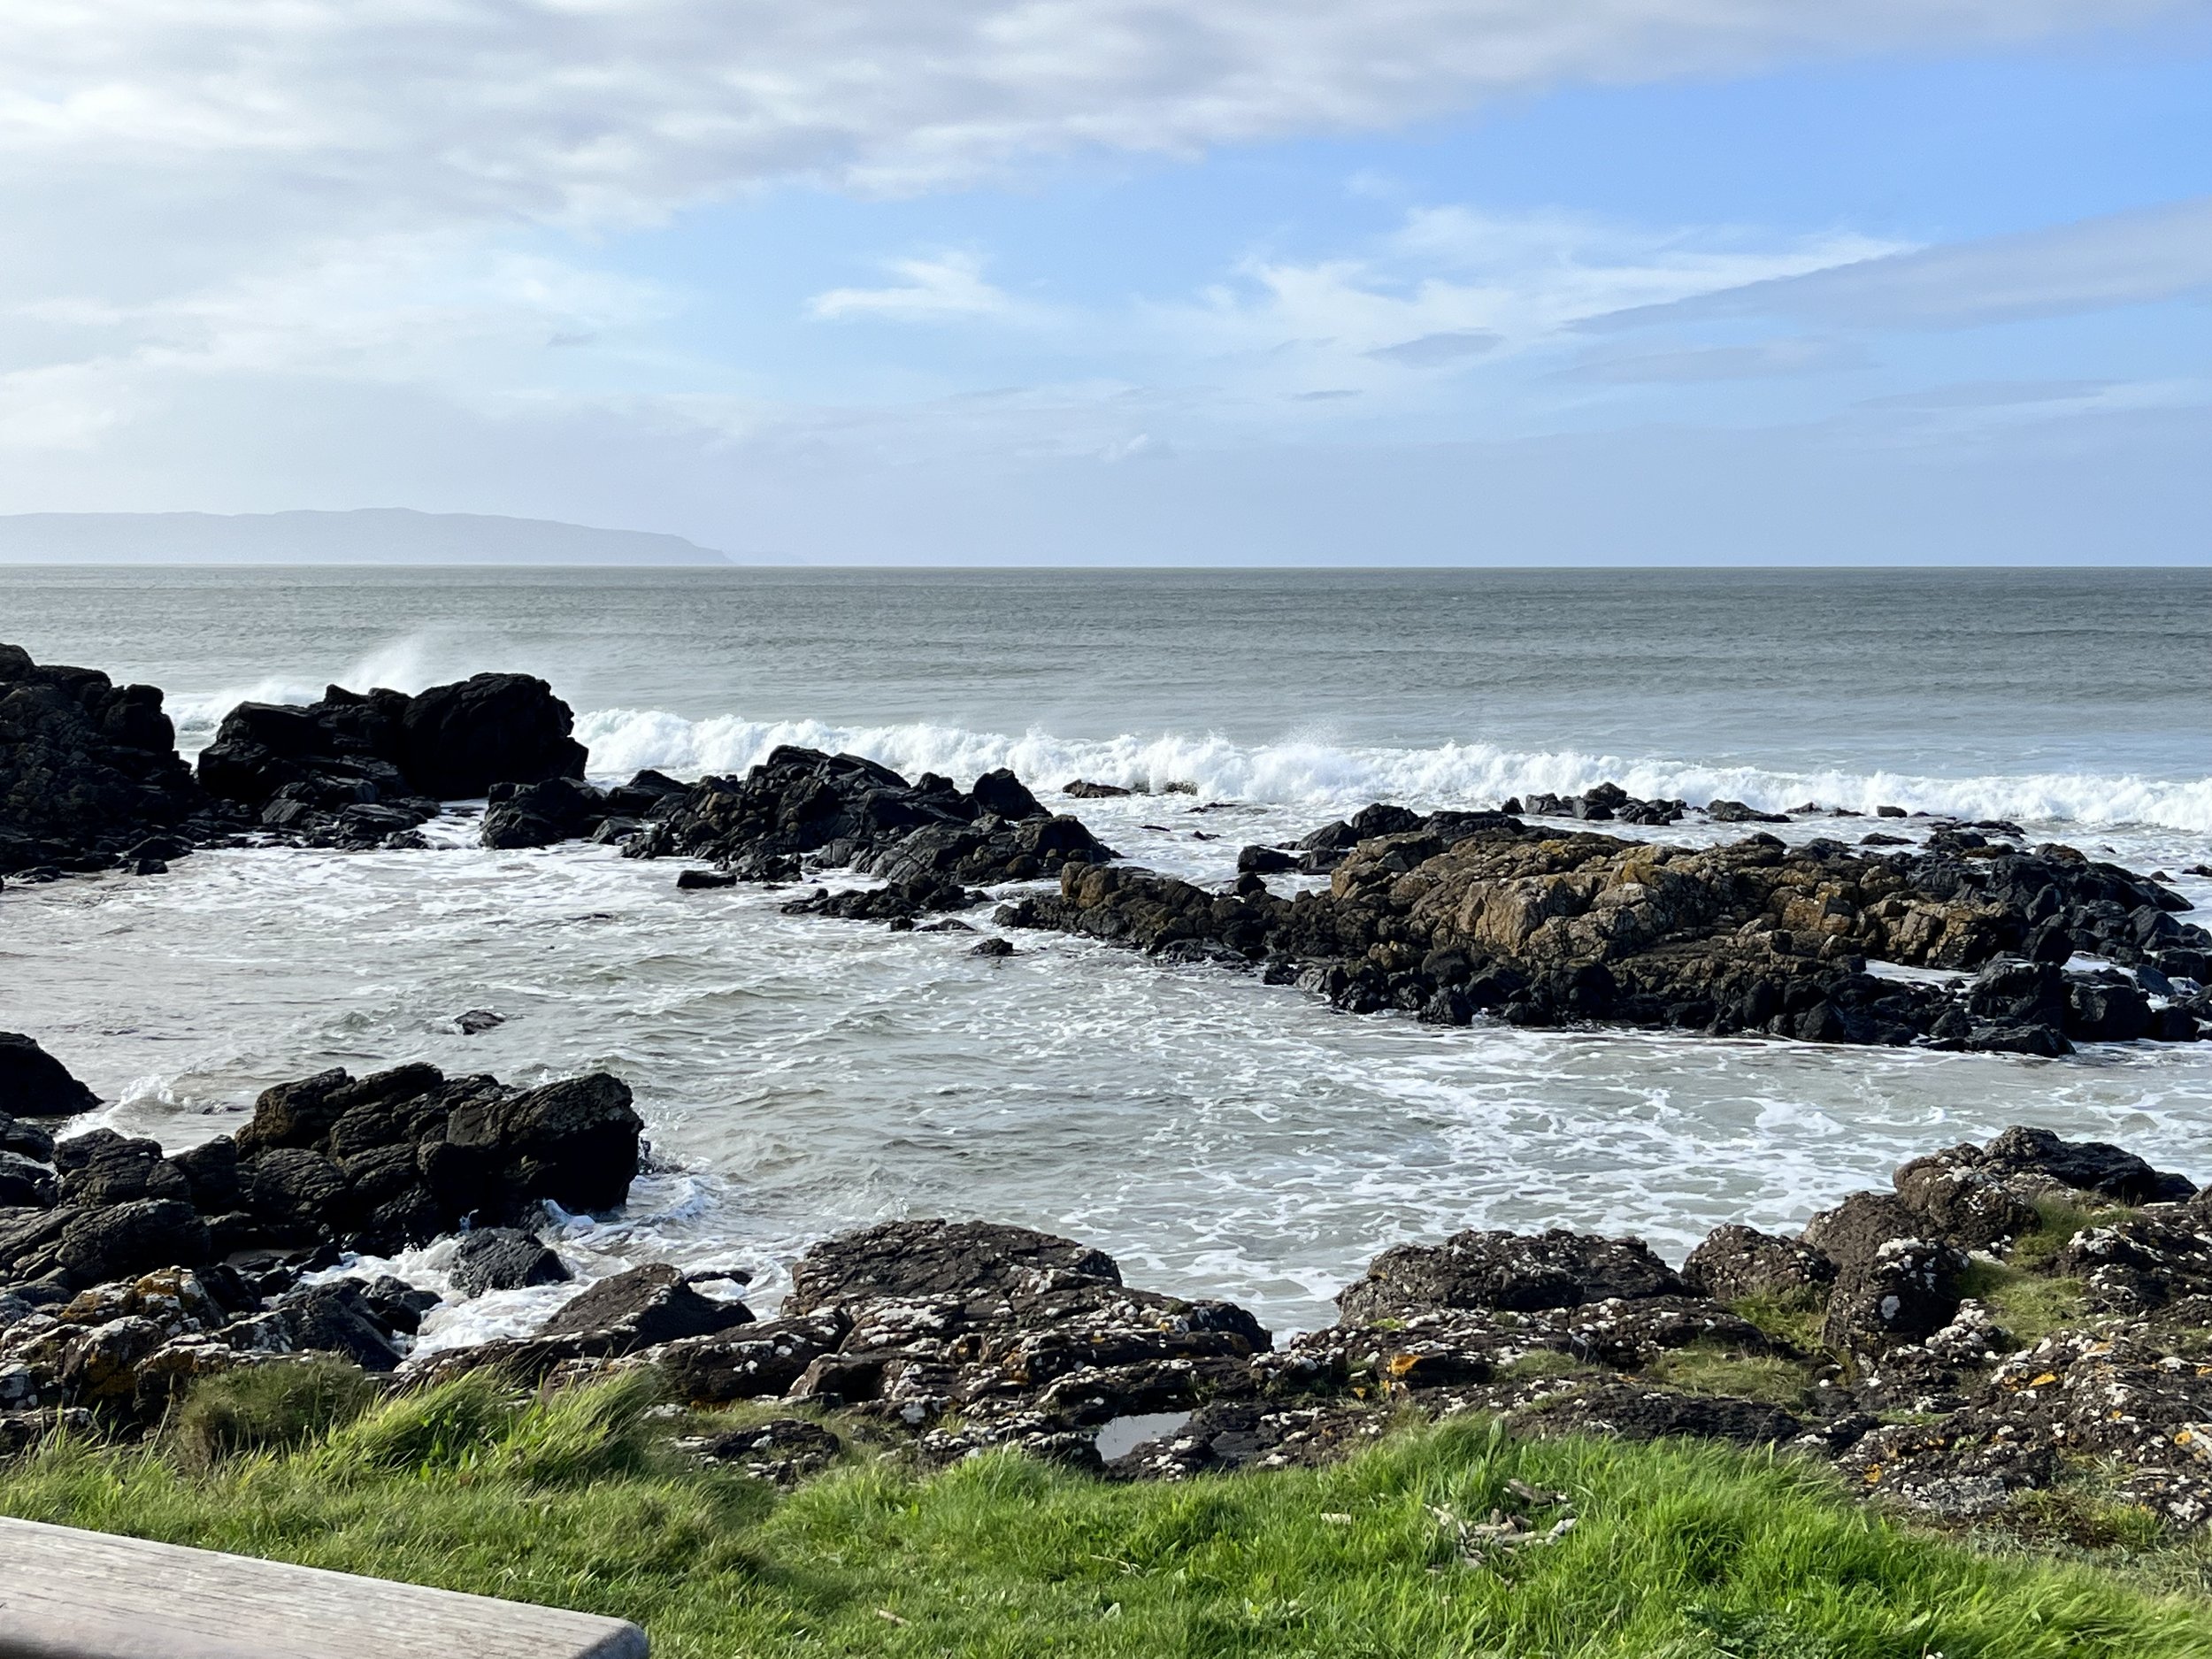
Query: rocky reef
<point>366,767</point>
<point>1460,913</point>
<point>89,776</point>
<point>2009,1319</point>
<point>927,839</point>
<point>123,1273</point>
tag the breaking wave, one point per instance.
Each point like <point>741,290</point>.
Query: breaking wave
<point>1320,774</point>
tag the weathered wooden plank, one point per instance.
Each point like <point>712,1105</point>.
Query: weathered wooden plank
<point>71,1594</point>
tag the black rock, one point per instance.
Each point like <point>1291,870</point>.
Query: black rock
<point>1516,1271</point>
<point>319,767</point>
<point>642,1308</point>
<point>843,810</point>
<point>1734,1262</point>
<point>937,1258</point>
<point>2090,1166</point>
<point>104,1167</point>
<point>504,1258</point>
<point>26,1183</point>
<point>574,1142</point>
<point>475,1021</point>
<point>89,770</point>
<point>1910,1289</point>
<point>34,1084</point>
<point>1002,793</point>
<point>129,1239</point>
<point>1266,861</point>
<point>340,1318</point>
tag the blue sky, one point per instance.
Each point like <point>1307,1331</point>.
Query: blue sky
<point>1428,281</point>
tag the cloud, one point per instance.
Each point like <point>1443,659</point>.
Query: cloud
<point>2137,257</point>
<point>1693,364</point>
<point>1436,351</point>
<point>1453,284</point>
<point>593,107</point>
<point>1995,395</point>
<point>935,290</point>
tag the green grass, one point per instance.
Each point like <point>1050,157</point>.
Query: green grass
<point>2028,1306</point>
<point>2056,1222</point>
<point>1794,1318</point>
<point>1702,1370</point>
<point>1688,1552</point>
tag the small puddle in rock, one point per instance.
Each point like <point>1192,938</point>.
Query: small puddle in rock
<point>1123,1435</point>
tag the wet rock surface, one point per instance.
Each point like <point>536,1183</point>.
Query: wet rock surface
<point>928,840</point>
<point>1457,915</point>
<point>35,1084</point>
<point>309,768</point>
<point>1940,1369</point>
<point>90,775</point>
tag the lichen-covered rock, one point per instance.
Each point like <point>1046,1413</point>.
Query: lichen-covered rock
<point>1518,1271</point>
<point>1458,914</point>
<point>1910,1289</point>
<point>1735,1261</point>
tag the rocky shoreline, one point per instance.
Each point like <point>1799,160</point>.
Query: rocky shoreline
<point>1448,916</point>
<point>2010,1318</point>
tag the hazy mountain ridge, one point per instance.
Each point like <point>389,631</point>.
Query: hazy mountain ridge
<point>369,536</point>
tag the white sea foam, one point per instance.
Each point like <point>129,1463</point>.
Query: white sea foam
<point>410,662</point>
<point>1321,774</point>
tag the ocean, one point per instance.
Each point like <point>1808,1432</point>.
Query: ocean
<point>800,1076</point>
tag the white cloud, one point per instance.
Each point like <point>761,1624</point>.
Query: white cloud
<point>1454,289</point>
<point>2137,257</point>
<point>935,290</point>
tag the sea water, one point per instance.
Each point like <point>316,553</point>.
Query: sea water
<point>800,1076</point>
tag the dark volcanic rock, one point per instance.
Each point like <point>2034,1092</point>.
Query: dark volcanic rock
<point>362,769</point>
<point>1459,914</point>
<point>1735,1261</point>
<point>841,809</point>
<point>104,1167</point>
<point>642,1308</point>
<point>1910,1289</point>
<point>1516,1271</point>
<point>1630,1412</point>
<point>88,771</point>
<point>504,1258</point>
<point>129,1239</point>
<point>374,1164</point>
<point>34,1084</point>
<point>457,740</point>
<point>936,1258</point>
<point>2089,1166</point>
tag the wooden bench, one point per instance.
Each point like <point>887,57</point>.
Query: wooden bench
<point>71,1594</point>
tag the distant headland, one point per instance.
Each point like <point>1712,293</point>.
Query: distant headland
<point>369,536</point>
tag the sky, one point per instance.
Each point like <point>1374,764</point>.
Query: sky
<point>1128,281</point>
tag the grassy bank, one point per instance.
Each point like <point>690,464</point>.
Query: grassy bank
<point>1677,1550</point>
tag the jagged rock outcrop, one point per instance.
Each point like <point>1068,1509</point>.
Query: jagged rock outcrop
<point>1462,913</point>
<point>1855,1342</point>
<point>34,1084</point>
<point>928,840</point>
<point>327,1163</point>
<point>364,767</point>
<point>89,774</point>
